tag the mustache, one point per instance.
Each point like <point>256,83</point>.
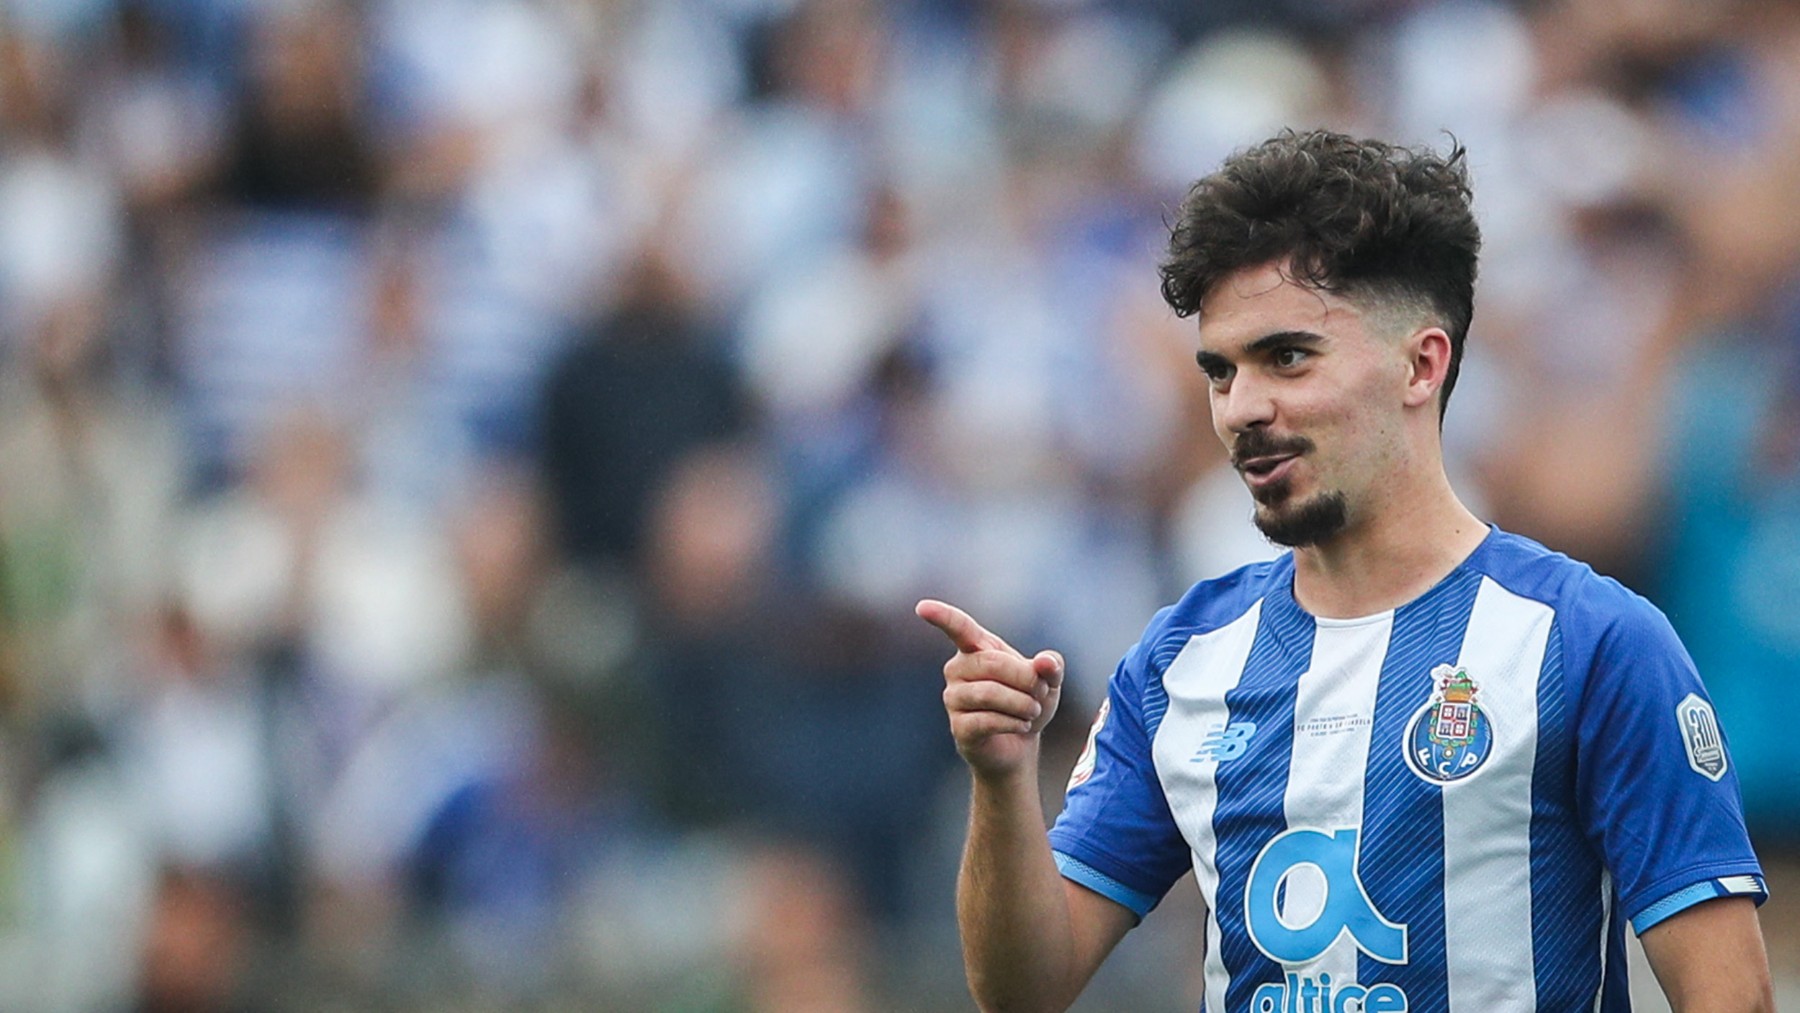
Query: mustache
<point>1258,443</point>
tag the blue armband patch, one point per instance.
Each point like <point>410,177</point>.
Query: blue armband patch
<point>1077,871</point>
<point>1687,897</point>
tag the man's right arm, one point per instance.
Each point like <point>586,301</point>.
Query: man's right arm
<point>1031,939</point>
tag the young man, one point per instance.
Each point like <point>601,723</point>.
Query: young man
<point>1415,764</point>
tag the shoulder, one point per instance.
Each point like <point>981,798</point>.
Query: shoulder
<point>1597,619</point>
<point>1583,599</point>
<point>1210,605</point>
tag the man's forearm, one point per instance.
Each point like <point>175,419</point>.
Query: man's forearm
<point>1030,939</point>
<point>1018,941</point>
<point>1710,958</point>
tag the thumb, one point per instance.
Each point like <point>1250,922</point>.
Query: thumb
<point>1049,666</point>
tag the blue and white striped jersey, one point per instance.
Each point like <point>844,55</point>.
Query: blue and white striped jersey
<point>1456,805</point>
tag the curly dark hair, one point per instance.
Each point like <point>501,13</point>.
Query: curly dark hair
<point>1362,219</point>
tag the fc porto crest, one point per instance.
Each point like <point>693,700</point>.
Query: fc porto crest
<point>1450,737</point>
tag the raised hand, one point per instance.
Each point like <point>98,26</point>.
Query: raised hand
<point>998,699</point>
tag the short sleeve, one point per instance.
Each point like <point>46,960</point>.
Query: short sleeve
<point>1116,835</point>
<point>1659,798</point>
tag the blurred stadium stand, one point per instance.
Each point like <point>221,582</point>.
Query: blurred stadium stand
<point>466,465</point>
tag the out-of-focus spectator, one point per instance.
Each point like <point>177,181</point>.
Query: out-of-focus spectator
<point>196,947</point>
<point>195,746</point>
<point>645,385</point>
<point>300,141</point>
<point>750,675</point>
<point>1672,458</point>
<point>804,942</point>
<point>87,487</point>
<point>303,562</point>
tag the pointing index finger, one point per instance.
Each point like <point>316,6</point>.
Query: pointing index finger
<point>963,631</point>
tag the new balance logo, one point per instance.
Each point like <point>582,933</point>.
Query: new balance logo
<point>1225,742</point>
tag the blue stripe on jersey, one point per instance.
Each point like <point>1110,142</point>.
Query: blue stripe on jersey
<point>1076,870</point>
<point>1616,987</point>
<point>1401,859</point>
<point>1566,875</point>
<point>1156,695</point>
<point>1251,787</point>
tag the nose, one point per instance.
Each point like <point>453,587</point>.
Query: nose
<point>1242,405</point>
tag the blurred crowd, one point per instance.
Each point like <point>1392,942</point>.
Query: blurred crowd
<point>466,465</point>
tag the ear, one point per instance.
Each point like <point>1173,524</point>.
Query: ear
<point>1428,363</point>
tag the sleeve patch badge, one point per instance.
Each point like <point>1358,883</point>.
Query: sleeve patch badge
<point>1700,735</point>
<point>1084,767</point>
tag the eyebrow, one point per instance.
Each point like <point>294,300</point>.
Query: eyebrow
<point>1282,339</point>
<point>1269,342</point>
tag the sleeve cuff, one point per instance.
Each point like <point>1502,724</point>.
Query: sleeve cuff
<point>1077,871</point>
<point>1725,886</point>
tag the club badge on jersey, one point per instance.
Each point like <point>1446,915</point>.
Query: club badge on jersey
<point>1450,737</point>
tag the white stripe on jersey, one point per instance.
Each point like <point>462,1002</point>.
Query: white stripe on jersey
<point>1487,816</point>
<point>1605,930</point>
<point>1197,681</point>
<point>1334,709</point>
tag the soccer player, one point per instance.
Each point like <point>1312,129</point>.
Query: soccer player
<point>1417,763</point>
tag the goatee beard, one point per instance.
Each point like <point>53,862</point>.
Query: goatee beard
<point>1303,524</point>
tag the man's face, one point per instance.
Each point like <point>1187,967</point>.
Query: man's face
<point>1307,395</point>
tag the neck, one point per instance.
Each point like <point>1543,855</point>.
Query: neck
<point>1404,545</point>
